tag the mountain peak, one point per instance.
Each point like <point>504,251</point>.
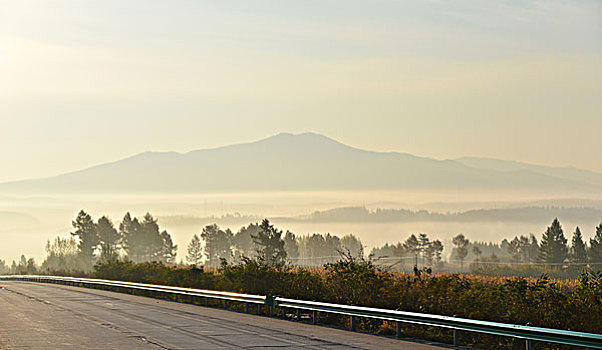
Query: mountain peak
<point>303,161</point>
<point>304,136</point>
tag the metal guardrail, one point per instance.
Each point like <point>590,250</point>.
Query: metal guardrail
<point>528,333</point>
<point>152,290</point>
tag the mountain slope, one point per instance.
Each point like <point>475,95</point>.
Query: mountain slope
<point>291,162</point>
<point>569,172</point>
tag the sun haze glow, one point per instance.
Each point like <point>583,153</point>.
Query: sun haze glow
<point>85,82</point>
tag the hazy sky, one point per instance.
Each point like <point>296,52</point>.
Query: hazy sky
<point>84,82</point>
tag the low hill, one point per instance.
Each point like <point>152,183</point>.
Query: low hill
<point>301,162</point>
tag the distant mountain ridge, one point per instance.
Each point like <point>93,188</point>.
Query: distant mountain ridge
<point>305,161</point>
<point>519,214</point>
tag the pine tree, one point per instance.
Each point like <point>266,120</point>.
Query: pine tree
<point>595,248</point>
<point>461,248</point>
<point>195,251</point>
<point>153,241</point>
<point>132,238</point>
<point>85,231</point>
<point>532,249</point>
<point>243,241</point>
<point>270,245</point>
<point>352,244</point>
<point>168,250</point>
<point>423,243</point>
<point>514,249</point>
<point>553,247</point>
<point>218,244</point>
<point>578,248</point>
<point>436,248</point>
<point>291,246</point>
<point>412,246</point>
<point>109,239</point>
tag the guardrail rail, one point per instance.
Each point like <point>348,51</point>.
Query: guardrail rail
<point>528,333</point>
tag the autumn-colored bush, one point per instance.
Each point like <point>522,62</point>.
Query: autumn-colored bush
<point>571,305</point>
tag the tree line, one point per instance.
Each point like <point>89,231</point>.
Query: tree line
<point>267,244</point>
<point>140,240</point>
<point>93,242</point>
<point>552,250</point>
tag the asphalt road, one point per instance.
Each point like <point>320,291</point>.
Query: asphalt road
<point>45,316</point>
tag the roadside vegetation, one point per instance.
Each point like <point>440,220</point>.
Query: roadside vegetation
<point>262,259</point>
<point>563,304</point>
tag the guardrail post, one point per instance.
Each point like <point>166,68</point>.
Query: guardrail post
<point>225,304</point>
<point>259,310</point>
<point>298,315</point>
<point>353,325</point>
<point>247,307</point>
<point>283,312</point>
<point>456,338</point>
<point>206,301</point>
<point>314,317</point>
<point>398,330</point>
<point>528,344</point>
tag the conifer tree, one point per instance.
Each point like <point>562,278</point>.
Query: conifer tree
<point>595,248</point>
<point>132,238</point>
<point>352,244</point>
<point>412,246</point>
<point>290,245</point>
<point>195,251</point>
<point>218,244</point>
<point>434,252</point>
<point>578,248</point>
<point>88,241</point>
<point>270,245</point>
<point>461,248</point>
<point>168,249</point>
<point>553,247</point>
<point>109,239</point>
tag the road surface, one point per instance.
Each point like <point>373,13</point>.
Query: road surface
<point>47,316</point>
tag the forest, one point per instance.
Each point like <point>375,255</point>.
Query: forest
<point>142,240</point>
<point>260,258</point>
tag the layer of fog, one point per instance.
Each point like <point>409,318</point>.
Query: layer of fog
<point>27,222</point>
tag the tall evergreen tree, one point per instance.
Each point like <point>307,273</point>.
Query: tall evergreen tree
<point>218,244</point>
<point>270,245</point>
<point>243,241</point>
<point>109,239</point>
<point>352,244</point>
<point>153,241</point>
<point>532,249</point>
<point>578,248</point>
<point>434,252</point>
<point>461,248</point>
<point>168,250</point>
<point>412,246</point>
<point>133,240</point>
<point>553,248</point>
<point>195,251</point>
<point>88,241</point>
<point>515,249</point>
<point>595,248</point>
<point>291,246</point>
<point>423,244</point>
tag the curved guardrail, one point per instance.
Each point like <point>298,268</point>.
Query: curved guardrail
<point>456,323</point>
<point>143,287</point>
<point>528,333</point>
